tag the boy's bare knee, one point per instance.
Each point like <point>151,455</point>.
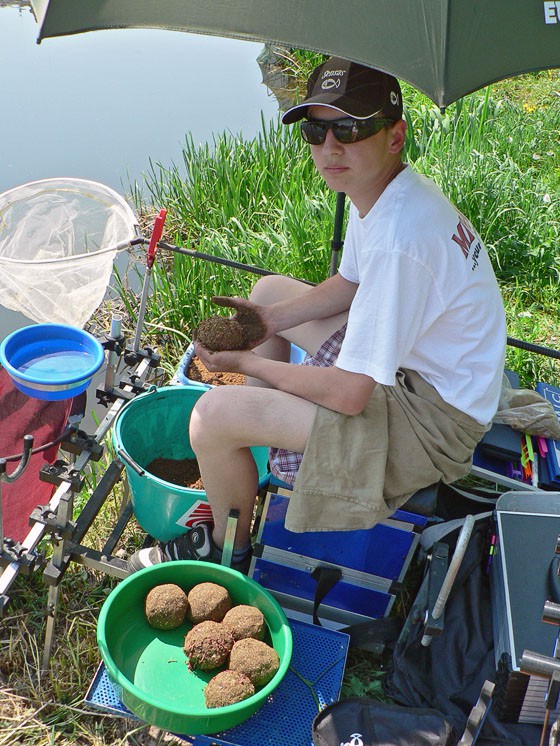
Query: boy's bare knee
<point>205,417</point>
<point>273,288</point>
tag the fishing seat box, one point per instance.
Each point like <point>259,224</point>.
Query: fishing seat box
<point>369,566</point>
<point>527,529</point>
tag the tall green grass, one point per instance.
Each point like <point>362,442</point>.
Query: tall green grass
<point>261,202</point>
<point>501,167</point>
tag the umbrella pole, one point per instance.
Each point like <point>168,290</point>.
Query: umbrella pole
<point>154,239</point>
<point>337,242</point>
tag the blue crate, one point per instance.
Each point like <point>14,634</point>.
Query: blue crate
<point>384,550</point>
<point>313,681</point>
<point>346,596</point>
<point>417,520</point>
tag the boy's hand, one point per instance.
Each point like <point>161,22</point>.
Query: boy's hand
<point>226,361</point>
<point>250,316</point>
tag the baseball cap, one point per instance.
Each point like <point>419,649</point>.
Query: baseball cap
<point>355,89</point>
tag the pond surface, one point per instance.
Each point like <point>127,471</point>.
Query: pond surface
<point>100,105</point>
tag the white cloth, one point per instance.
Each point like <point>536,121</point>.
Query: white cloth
<point>427,298</point>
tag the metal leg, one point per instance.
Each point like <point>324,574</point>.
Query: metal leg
<point>64,516</point>
<point>52,606</point>
<point>555,734</point>
<point>229,541</point>
<point>478,715</point>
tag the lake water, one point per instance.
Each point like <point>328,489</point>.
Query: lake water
<point>100,105</point>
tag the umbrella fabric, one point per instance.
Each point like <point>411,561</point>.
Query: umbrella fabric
<point>445,48</point>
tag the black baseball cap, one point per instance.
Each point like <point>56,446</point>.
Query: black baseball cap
<point>358,91</point>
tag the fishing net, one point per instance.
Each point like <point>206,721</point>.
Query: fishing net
<point>58,241</point>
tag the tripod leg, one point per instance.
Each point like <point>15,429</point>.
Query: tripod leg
<point>52,607</point>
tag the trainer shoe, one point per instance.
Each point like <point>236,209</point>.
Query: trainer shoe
<point>196,544</point>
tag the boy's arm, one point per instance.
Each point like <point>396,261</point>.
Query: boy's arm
<point>261,322</point>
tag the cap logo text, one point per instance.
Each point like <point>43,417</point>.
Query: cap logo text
<point>394,98</point>
<point>330,83</point>
<point>331,73</point>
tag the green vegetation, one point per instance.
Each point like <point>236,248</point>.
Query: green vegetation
<point>260,202</point>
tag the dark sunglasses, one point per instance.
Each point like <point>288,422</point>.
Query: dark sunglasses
<point>345,130</point>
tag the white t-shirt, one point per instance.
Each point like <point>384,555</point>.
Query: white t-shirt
<point>427,299</point>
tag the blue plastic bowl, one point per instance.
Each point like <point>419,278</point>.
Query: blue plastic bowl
<point>51,361</point>
<point>297,356</point>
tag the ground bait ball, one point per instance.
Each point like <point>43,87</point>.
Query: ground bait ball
<point>240,332</point>
<point>255,659</point>
<point>166,606</point>
<point>218,333</point>
<point>208,645</point>
<point>208,601</point>
<point>227,688</point>
<point>245,621</point>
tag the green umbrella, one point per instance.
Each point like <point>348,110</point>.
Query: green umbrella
<point>445,48</point>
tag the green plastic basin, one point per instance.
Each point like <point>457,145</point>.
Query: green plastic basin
<point>156,425</point>
<point>148,666</point>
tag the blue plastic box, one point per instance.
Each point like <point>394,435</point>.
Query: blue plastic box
<point>370,565</point>
<point>383,550</point>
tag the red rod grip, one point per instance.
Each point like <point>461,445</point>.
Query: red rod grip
<point>155,237</point>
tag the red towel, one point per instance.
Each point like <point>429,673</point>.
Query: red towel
<point>21,415</point>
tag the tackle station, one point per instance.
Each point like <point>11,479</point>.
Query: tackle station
<point>320,592</point>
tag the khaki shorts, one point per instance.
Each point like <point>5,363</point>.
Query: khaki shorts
<point>357,470</point>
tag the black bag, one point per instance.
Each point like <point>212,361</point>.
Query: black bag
<point>449,674</point>
<point>366,722</point>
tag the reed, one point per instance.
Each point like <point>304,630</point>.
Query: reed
<point>262,203</point>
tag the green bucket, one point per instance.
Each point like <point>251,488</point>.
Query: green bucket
<point>148,667</point>
<point>156,425</point>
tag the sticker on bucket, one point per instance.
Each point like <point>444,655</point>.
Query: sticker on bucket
<point>199,512</point>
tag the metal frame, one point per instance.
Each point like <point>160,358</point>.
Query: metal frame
<point>55,520</point>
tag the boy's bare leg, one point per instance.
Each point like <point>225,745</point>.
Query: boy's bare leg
<point>308,337</point>
<point>225,422</point>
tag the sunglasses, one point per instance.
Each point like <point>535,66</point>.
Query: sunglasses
<point>345,130</point>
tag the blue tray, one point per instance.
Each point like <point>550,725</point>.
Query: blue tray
<point>313,681</point>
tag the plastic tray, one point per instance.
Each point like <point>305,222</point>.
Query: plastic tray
<point>313,681</point>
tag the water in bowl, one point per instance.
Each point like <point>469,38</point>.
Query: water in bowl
<point>51,365</point>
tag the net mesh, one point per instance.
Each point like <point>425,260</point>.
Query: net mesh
<point>58,241</point>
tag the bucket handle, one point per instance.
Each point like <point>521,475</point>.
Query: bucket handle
<point>133,465</point>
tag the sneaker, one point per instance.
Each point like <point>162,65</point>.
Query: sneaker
<point>196,544</point>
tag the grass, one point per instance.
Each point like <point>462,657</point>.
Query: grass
<point>495,158</point>
<point>496,154</point>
